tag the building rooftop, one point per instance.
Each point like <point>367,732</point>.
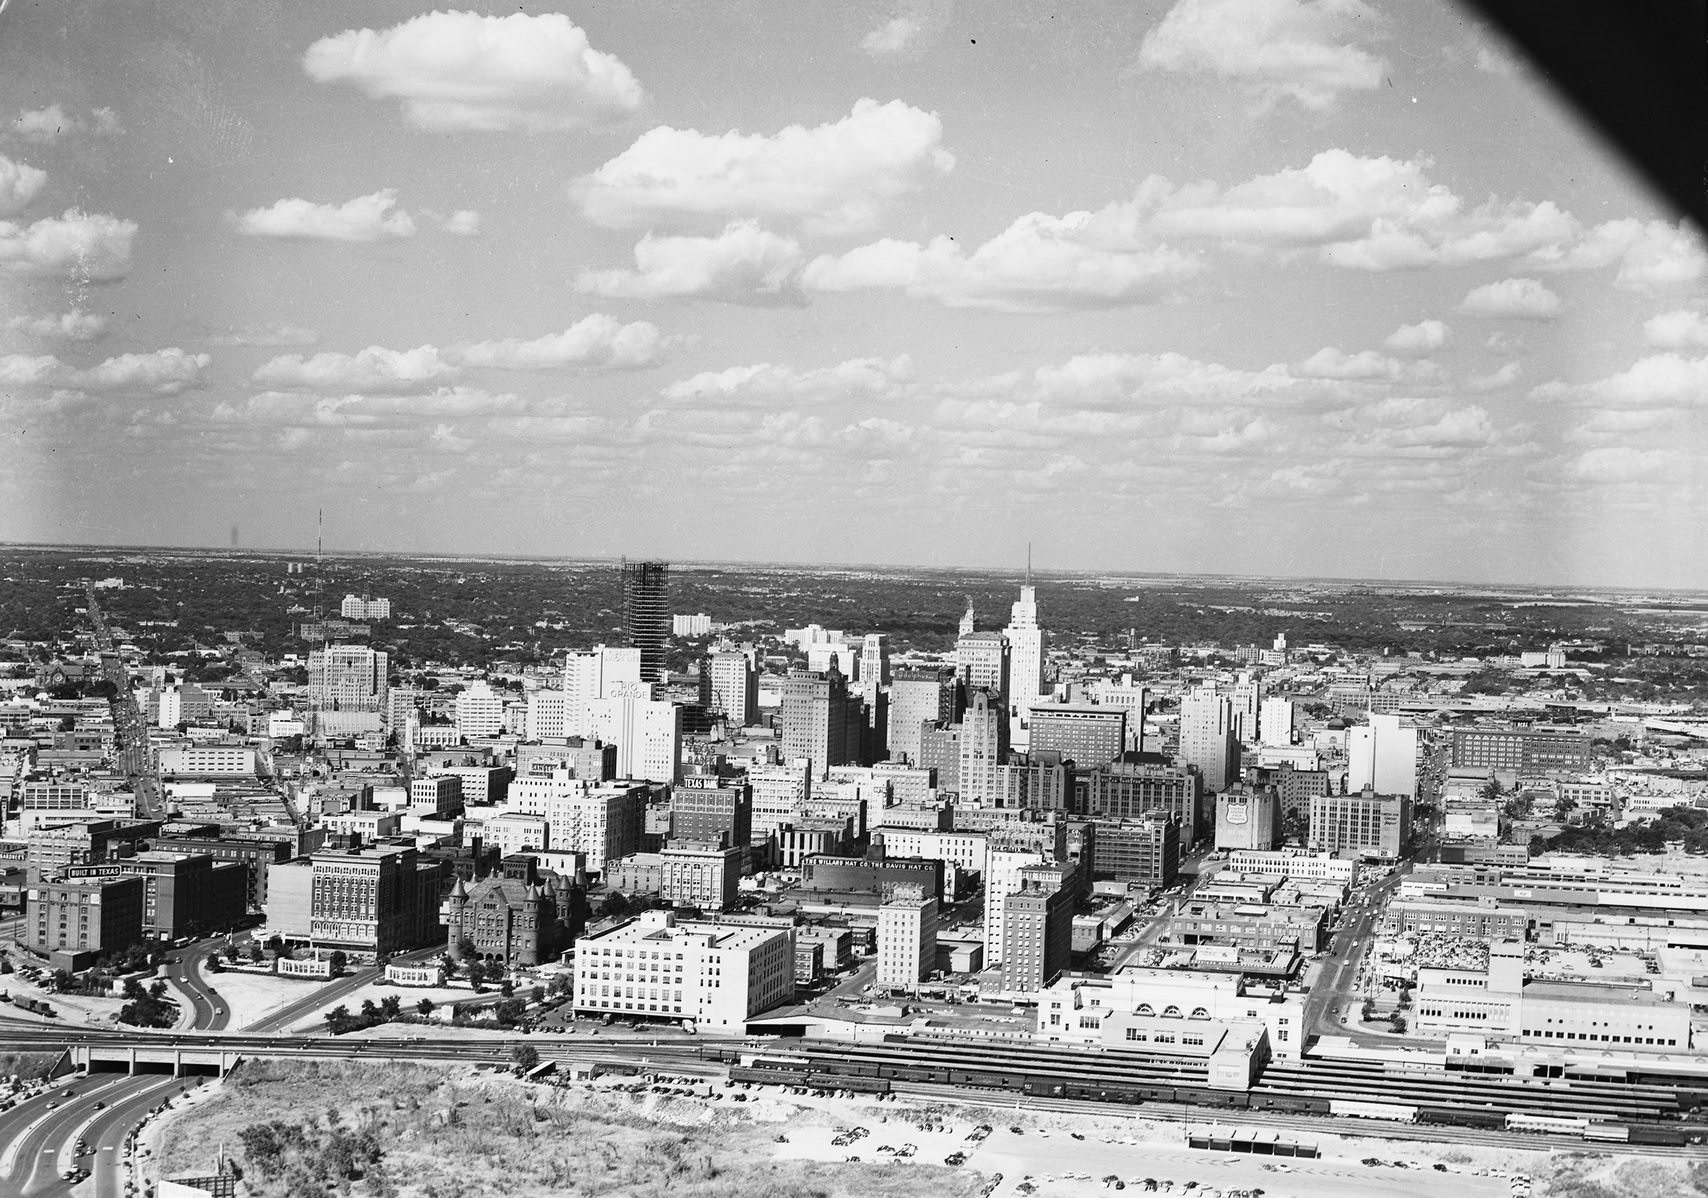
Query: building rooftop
<point>1594,993</point>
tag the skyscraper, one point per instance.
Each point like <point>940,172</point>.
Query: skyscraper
<point>1025,650</point>
<point>983,748</point>
<point>815,719</point>
<point>1207,736</point>
<point>1382,756</point>
<point>646,613</point>
<point>918,697</point>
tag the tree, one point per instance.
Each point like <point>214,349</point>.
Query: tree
<point>425,1007</point>
<point>509,1012</point>
<point>1397,1021</point>
<point>526,1057</point>
<point>338,961</point>
<point>1368,1010</point>
<point>477,972</point>
<point>390,1006</point>
<point>507,987</point>
<point>338,1020</point>
<point>255,952</point>
<point>465,949</point>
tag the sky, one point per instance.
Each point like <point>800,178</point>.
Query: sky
<point>1287,287</point>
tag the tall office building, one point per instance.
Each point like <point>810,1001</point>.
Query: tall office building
<point>1244,701</point>
<point>918,697</point>
<point>712,810</point>
<point>480,711</point>
<point>1037,931</point>
<point>1087,734</point>
<point>647,733</point>
<point>646,613</point>
<point>982,660</point>
<point>983,748</point>
<point>735,685</point>
<point>1207,736</point>
<point>1365,824</point>
<point>817,716</point>
<point>1025,653</point>
<point>347,678</point>
<point>874,684</point>
<point>603,672</point>
<point>907,937</point>
<point>1275,721</point>
<point>1383,757</point>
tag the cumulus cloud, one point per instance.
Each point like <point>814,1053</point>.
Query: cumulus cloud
<point>1299,49</point>
<point>375,368</point>
<point>593,341</point>
<point>1525,299</point>
<point>45,125</point>
<point>19,184</point>
<point>1649,253</point>
<point>1622,464</point>
<point>463,71</point>
<point>1109,379</point>
<point>833,178</point>
<point>161,372</point>
<point>1426,336</point>
<point>766,384</point>
<point>1659,381</point>
<point>1504,375</point>
<point>1683,329</point>
<point>365,218</point>
<point>1039,263</point>
<point>1366,365</point>
<point>89,246</point>
<point>744,262</point>
<point>75,325</point>
<point>895,38</point>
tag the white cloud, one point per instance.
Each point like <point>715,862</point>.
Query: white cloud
<point>895,38</point>
<point>1366,365</point>
<point>1496,60</point>
<point>1113,380</point>
<point>1622,464</point>
<point>161,372</point>
<point>75,325</point>
<point>464,222</point>
<point>269,336</point>
<point>1426,336</point>
<point>1683,329</point>
<point>460,70</point>
<point>1526,299</point>
<point>595,341</point>
<point>1039,263</point>
<point>45,125</point>
<point>365,218</point>
<point>90,246</point>
<point>834,177</point>
<point>375,368</point>
<point>767,385</point>
<point>744,262</point>
<point>1649,253</point>
<point>1658,381</point>
<point>1292,48</point>
<point>357,410</point>
<point>1504,375</point>
<point>19,184</point>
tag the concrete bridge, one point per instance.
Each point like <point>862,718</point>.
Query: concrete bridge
<point>167,1059</point>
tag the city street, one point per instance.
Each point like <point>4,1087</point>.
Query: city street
<point>37,1136</point>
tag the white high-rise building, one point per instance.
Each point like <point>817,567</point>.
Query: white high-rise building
<point>907,939</point>
<point>1025,660</point>
<point>1275,722</point>
<point>357,607</point>
<point>1243,702</point>
<point>647,733</point>
<point>480,711</point>
<point>596,674</point>
<point>735,685</point>
<point>1001,879</point>
<point>548,715</point>
<point>983,748</point>
<point>1382,756</point>
<point>1207,737</point>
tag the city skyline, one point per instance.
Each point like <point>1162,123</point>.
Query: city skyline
<point>1286,289</point>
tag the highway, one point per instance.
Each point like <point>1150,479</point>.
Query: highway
<point>208,1012</point>
<point>37,1136</point>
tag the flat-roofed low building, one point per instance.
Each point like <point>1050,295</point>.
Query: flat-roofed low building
<point>1477,921</point>
<point>1246,925</point>
<point>188,894</point>
<point>1293,863</point>
<point>709,972</point>
<point>1098,1010</point>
